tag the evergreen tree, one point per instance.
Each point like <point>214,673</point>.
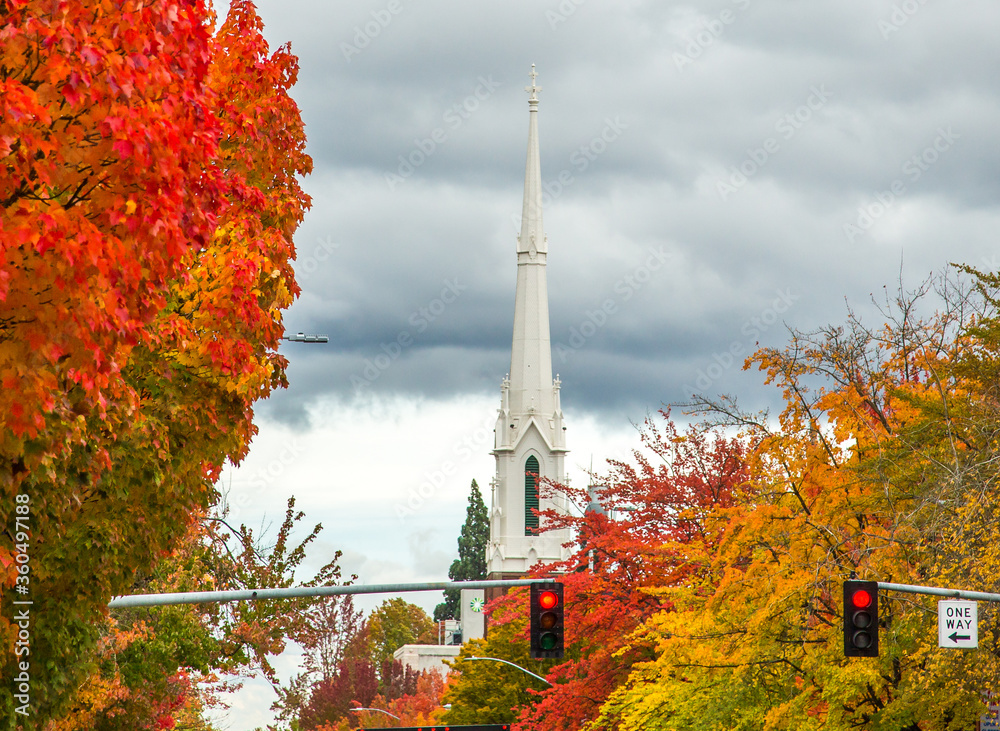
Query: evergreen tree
<point>471,562</point>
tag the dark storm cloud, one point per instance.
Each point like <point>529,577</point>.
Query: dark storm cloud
<point>733,145</point>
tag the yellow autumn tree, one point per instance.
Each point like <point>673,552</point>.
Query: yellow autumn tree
<point>883,465</point>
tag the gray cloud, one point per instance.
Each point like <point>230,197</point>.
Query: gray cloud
<point>696,93</point>
<point>682,128</point>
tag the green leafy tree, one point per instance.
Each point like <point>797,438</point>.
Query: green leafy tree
<point>158,667</point>
<point>492,692</point>
<point>395,623</point>
<point>471,562</point>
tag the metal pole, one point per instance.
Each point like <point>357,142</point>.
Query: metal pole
<point>375,709</point>
<point>935,591</point>
<point>202,597</point>
<point>505,662</point>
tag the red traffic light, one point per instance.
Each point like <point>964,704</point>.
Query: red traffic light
<point>861,618</point>
<point>861,599</point>
<point>548,599</point>
<point>546,621</point>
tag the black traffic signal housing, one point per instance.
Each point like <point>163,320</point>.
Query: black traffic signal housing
<point>860,618</point>
<point>546,620</point>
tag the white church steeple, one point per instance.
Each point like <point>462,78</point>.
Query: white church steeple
<point>530,433</point>
<point>531,352</point>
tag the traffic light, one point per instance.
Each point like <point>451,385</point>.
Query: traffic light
<point>546,621</point>
<point>860,618</point>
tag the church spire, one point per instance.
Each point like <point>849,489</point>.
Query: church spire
<point>531,354</point>
<point>530,435</point>
<point>532,231</point>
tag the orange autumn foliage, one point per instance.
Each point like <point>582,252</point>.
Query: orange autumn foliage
<point>150,193</point>
<point>662,505</point>
<point>881,464</point>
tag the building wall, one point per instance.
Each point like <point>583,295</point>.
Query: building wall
<point>427,657</point>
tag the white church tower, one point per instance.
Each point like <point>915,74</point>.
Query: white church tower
<point>530,433</point>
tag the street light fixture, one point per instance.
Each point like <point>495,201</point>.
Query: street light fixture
<point>303,338</point>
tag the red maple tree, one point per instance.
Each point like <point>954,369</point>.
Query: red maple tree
<point>149,194</point>
<point>650,529</point>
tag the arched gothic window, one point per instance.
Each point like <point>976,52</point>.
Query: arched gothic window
<point>531,474</point>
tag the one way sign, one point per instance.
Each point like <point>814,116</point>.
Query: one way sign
<point>958,624</point>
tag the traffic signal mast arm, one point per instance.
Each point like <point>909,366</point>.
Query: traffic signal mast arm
<point>936,591</point>
<point>202,597</point>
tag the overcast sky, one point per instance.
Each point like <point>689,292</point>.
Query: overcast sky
<point>716,171</point>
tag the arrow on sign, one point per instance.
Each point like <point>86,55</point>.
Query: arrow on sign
<point>955,637</point>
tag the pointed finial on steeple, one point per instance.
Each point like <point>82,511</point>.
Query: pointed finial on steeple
<point>531,240</point>
<point>533,90</point>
